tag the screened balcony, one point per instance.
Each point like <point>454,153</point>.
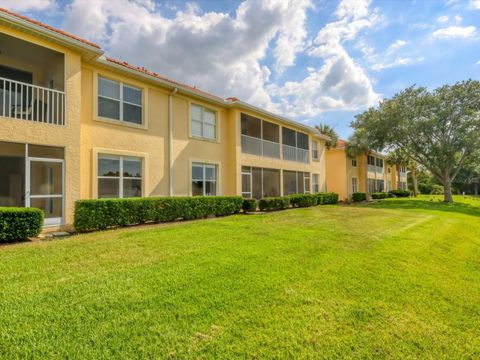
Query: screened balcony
<point>260,137</point>
<point>32,82</point>
<point>295,146</point>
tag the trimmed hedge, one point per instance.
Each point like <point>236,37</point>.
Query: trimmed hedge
<point>102,214</point>
<point>20,223</point>
<point>274,203</point>
<point>399,193</point>
<point>303,200</point>
<point>380,195</point>
<point>249,205</point>
<point>327,198</point>
<point>359,196</point>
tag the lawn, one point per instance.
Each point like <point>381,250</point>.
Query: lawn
<point>400,278</point>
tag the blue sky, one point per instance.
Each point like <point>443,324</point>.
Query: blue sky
<point>312,60</point>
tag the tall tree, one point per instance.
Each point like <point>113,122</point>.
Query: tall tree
<point>330,132</point>
<point>399,158</point>
<point>439,129</point>
<point>357,146</point>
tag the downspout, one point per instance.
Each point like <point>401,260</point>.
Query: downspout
<point>170,141</point>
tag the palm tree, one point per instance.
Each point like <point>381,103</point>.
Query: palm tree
<point>357,146</point>
<point>330,132</point>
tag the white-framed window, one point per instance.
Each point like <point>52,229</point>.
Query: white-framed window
<point>316,187</point>
<point>354,162</point>
<point>315,150</point>
<point>119,176</point>
<point>119,101</point>
<point>203,122</point>
<point>204,179</point>
<point>354,185</point>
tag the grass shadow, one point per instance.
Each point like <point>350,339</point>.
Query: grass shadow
<point>432,204</point>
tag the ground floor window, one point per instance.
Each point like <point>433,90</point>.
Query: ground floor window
<point>354,185</point>
<point>204,179</point>
<point>260,182</point>
<point>316,187</point>
<point>402,185</point>
<point>375,185</point>
<point>33,176</point>
<point>296,182</point>
<point>119,176</point>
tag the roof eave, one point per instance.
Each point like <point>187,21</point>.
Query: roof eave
<point>88,51</point>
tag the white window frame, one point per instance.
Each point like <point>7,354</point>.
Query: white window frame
<point>354,185</point>
<point>354,162</point>
<point>121,101</point>
<point>249,194</point>
<point>315,183</point>
<point>315,156</point>
<point>120,178</point>
<point>306,180</point>
<point>203,109</point>
<point>204,179</point>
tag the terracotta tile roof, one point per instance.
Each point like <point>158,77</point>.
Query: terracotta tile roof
<point>158,76</point>
<point>341,144</point>
<point>48,27</point>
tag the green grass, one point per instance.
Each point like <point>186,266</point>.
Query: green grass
<point>400,278</point>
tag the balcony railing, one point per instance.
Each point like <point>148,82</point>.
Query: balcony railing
<point>295,154</point>
<point>24,101</point>
<point>256,146</point>
<point>375,169</point>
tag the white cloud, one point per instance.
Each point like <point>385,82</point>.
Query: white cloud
<point>455,32</point>
<point>478,62</point>
<point>396,45</point>
<point>224,53</point>
<point>475,4</point>
<point>443,19</point>
<point>401,61</point>
<point>27,5</point>
<point>458,18</point>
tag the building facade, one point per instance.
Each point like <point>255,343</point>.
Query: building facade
<point>75,124</point>
<point>347,175</point>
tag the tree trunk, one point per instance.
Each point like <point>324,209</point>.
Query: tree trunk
<point>366,179</point>
<point>447,190</point>
<point>415,181</point>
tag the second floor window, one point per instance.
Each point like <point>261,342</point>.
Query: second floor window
<point>203,122</point>
<point>118,101</point>
<point>314,150</point>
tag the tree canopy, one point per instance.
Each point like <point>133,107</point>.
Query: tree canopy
<point>439,129</point>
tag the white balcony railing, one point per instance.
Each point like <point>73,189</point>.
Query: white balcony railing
<point>24,101</point>
<point>256,146</point>
<point>379,169</point>
<point>371,168</point>
<point>295,154</point>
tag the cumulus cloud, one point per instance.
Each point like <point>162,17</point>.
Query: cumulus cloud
<point>443,19</point>
<point>455,32</point>
<point>27,5</point>
<point>401,61</point>
<point>475,4</point>
<point>224,53</point>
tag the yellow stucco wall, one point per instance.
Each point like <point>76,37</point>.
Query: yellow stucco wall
<point>85,135</point>
<point>67,136</point>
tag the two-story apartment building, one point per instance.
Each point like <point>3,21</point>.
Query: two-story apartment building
<point>75,124</point>
<point>347,175</point>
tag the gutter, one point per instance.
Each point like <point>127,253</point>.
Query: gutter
<point>170,141</point>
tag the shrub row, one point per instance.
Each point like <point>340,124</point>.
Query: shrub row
<point>110,213</point>
<point>380,195</point>
<point>249,205</point>
<point>297,200</point>
<point>20,223</point>
<point>400,193</point>
<point>359,196</point>
<point>274,203</point>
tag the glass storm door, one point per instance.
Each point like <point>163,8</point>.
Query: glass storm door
<point>45,188</point>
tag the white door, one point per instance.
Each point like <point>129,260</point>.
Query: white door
<point>45,179</point>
